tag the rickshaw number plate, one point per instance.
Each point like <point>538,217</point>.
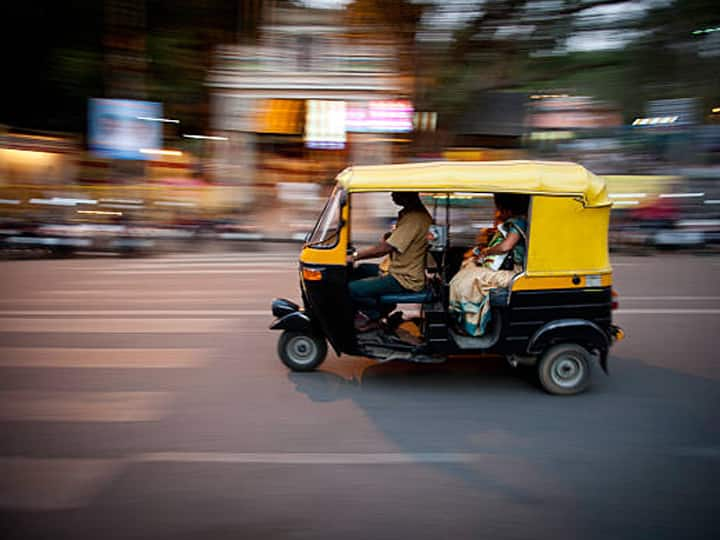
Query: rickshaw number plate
<point>593,281</point>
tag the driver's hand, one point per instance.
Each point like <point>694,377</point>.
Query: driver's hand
<point>350,260</point>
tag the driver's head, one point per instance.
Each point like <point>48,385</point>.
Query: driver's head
<point>406,198</point>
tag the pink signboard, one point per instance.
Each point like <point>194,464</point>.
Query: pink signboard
<point>391,116</point>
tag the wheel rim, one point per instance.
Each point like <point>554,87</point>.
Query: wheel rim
<point>302,350</point>
<point>567,371</point>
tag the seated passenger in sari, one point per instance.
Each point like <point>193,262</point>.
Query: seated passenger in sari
<point>491,266</point>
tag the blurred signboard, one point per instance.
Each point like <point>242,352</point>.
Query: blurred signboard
<point>281,116</point>
<point>121,128</point>
<point>325,124</point>
<point>389,116</point>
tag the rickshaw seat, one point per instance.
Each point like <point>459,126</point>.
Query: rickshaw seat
<point>419,297</point>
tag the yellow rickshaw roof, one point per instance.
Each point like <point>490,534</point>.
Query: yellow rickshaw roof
<point>530,177</point>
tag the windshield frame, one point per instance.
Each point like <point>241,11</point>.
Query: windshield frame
<point>335,202</point>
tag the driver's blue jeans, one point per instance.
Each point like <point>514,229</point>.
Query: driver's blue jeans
<point>367,285</point>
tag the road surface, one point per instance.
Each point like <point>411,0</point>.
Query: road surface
<point>143,398</point>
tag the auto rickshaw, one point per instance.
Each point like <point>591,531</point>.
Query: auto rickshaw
<point>556,315</point>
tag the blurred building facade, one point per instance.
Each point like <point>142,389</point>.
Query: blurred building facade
<point>285,103</point>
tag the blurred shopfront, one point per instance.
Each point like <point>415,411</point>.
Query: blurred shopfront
<point>310,98</point>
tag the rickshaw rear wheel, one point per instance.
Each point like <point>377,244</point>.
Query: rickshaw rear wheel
<point>564,369</point>
<point>301,351</point>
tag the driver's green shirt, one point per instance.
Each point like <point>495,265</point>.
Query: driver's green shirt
<point>407,261</point>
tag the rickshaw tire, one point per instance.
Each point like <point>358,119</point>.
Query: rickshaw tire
<point>565,369</point>
<point>301,351</point>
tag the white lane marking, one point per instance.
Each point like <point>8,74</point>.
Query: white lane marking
<point>120,326</point>
<point>661,311</point>
<point>187,320</point>
<point>130,280</point>
<point>200,271</point>
<point>225,313</point>
<point>126,300</point>
<point>129,293</point>
<point>104,263</point>
<point>223,256</point>
<point>191,266</point>
<point>39,406</point>
<point>324,458</point>
<point>43,357</point>
<point>621,298</point>
<point>52,484</point>
<point>213,258</point>
<point>223,293</point>
<point>5,315</point>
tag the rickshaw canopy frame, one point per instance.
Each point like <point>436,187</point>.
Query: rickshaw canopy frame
<point>548,178</point>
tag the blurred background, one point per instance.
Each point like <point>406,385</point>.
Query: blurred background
<point>143,397</point>
<point>131,126</point>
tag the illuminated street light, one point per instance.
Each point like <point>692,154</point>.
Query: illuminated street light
<point>62,201</point>
<point>549,96</point>
<point>681,195</point>
<point>655,120</point>
<point>706,31</point>
<point>160,152</point>
<point>207,137</point>
<point>626,203</point>
<point>153,119</point>
<point>100,212</point>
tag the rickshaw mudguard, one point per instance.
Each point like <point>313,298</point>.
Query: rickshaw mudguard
<point>282,307</point>
<point>580,331</point>
<point>296,321</point>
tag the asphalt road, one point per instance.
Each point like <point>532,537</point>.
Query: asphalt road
<point>144,399</point>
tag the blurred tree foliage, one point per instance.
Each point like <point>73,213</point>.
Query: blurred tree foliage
<point>526,45</point>
<point>671,58</point>
<point>54,66</point>
<point>388,21</point>
<point>455,49</point>
<point>64,56</point>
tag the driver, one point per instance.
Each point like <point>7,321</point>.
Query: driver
<point>405,248</point>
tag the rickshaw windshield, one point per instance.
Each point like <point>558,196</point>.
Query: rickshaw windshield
<point>327,228</point>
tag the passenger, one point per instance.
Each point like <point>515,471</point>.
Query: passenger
<point>491,266</point>
<point>404,269</point>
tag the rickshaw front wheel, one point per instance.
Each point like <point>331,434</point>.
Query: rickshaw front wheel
<point>564,369</point>
<point>301,351</point>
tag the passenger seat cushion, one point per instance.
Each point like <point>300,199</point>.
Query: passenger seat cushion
<point>409,297</point>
